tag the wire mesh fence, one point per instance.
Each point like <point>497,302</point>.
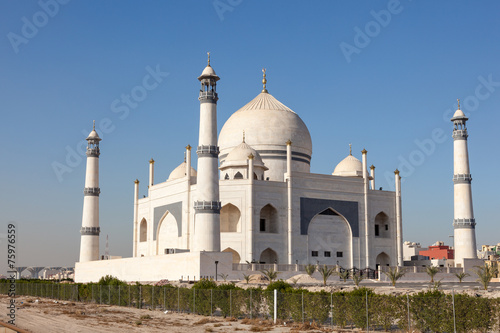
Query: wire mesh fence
<point>362,309</point>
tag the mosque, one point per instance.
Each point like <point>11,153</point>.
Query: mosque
<point>251,198</point>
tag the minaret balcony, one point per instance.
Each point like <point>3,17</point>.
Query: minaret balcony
<point>462,178</point>
<point>91,231</point>
<point>464,223</point>
<point>93,152</point>
<point>208,206</point>
<point>207,151</point>
<point>92,191</point>
<point>208,97</point>
<point>460,134</point>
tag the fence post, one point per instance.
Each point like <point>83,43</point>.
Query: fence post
<point>109,294</point>
<point>152,298</point>
<point>367,321</point>
<point>178,299</point>
<point>230,305</point>
<point>302,307</point>
<point>129,296</point>
<point>408,306</point>
<point>164,298</point>
<point>250,303</point>
<point>119,298</point>
<point>331,308</point>
<point>52,291</point>
<point>100,294</point>
<point>453,303</point>
<point>194,301</point>
<point>275,304</point>
<point>211,300</point>
<point>140,297</point>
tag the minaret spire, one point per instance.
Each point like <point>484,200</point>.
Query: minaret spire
<point>264,81</point>
<point>208,53</point>
<point>464,223</point>
<point>350,149</point>
<point>89,246</point>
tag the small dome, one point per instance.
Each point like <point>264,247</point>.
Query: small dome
<point>458,114</point>
<point>239,156</point>
<point>180,172</point>
<point>94,136</point>
<point>349,167</point>
<point>209,71</point>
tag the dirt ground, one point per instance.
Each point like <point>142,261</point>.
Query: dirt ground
<point>46,315</point>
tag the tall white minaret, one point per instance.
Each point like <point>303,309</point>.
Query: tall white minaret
<point>464,222</point>
<point>207,205</point>
<point>89,246</point>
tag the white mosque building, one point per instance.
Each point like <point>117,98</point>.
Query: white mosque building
<point>252,198</point>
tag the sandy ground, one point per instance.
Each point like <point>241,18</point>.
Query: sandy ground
<point>46,315</point>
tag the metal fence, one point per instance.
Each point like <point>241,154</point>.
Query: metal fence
<point>360,309</point>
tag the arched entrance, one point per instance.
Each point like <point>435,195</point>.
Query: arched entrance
<point>143,231</point>
<point>268,256</point>
<point>230,218</point>
<point>329,239</point>
<point>236,255</point>
<point>167,234</point>
<point>382,260</point>
<point>268,219</point>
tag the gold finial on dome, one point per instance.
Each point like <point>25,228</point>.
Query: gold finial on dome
<point>458,100</point>
<point>264,81</point>
<point>243,136</point>
<point>350,149</point>
<point>93,128</point>
<point>208,58</point>
<point>188,147</point>
<point>364,151</point>
<point>151,160</point>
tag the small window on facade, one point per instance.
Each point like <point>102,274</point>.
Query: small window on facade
<point>314,253</point>
<point>327,254</point>
<point>340,254</point>
<point>238,175</point>
<point>262,224</point>
<point>386,227</point>
<point>377,232</point>
<point>226,177</point>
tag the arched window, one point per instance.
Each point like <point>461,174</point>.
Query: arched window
<point>230,218</point>
<point>382,226</point>
<point>238,175</point>
<point>268,256</point>
<point>268,219</point>
<point>143,231</point>
<point>382,260</point>
<point>236,255</point>
<point>226,177</point>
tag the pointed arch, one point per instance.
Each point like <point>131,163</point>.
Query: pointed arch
<point>269,219</point>
<point>382,260</point>
<point>381,225</point>
<point>268,256</point>
<point>238,175</point>
<point>226,177</point>
<point>329,239</point>
<point>143,230</point>
<point>167,233</point>
<point>230,217</point>
<point>236,255</point>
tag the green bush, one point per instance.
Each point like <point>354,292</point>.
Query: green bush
<point>111,280</point>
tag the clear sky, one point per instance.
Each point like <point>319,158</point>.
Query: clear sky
<point>382,75</point>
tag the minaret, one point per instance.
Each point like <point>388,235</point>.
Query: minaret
<point>89,246</point>
<point>464,222</point>
<point>207,206</point>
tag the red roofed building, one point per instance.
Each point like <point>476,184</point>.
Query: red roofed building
<point>439,251</point>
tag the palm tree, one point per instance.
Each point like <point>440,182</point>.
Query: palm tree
<point>247,278</point>
<point>344,275</point>
<point>432,271</point>
<point>310,269</point>
<point>270,274</point>
<point>394,274</point>
<point>357,278</point>
<point>326,273</point>
<point>485,274</point>
<point>461,276</point>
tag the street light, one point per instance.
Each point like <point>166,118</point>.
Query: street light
<point>216,263</point>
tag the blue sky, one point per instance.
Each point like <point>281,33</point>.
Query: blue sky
<point>352,72</point>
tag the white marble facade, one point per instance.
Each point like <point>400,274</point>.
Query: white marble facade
<point>273,208</point>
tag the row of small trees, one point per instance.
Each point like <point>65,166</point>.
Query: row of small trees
<point>484,273</point>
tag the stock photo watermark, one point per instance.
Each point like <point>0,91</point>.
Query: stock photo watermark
<point>11,264</point>
<point>364,36</point>
<point>223,6</point>
<point>427,146</point>
<point>31,25</point>
<point>120,106</point>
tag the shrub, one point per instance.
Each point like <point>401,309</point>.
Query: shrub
<point>394,274</point>
<point>270,274</point>
<point>326,273</point>
<point>485,274</point>
<point>310,269</point>
<point>432,271</point>
<point>111,280</point>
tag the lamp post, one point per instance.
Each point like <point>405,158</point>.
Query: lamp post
<point>216,263</point>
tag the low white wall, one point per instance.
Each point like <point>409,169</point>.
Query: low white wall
<point>155,268</point>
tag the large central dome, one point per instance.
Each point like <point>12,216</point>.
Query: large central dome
<point>268,124</point>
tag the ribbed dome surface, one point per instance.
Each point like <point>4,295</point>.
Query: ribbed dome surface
<point>268,124</point>
<point>458,114</point>
<point>180,172</point>
<point>94,136</point>
<point>208,71</point>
